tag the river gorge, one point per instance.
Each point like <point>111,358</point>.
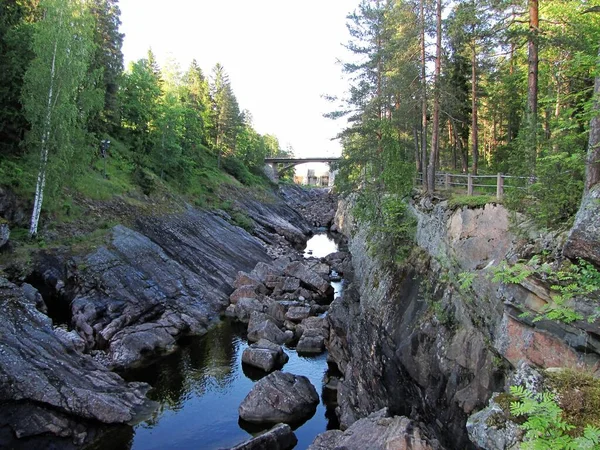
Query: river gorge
<point>152,324</point>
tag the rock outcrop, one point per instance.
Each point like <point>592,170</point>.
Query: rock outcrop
<point>280,397</point>
<point>139,295</point>
<point>4,232</point>
<point>47,387</point>
<point>317,206</point>
<point>376,432</point>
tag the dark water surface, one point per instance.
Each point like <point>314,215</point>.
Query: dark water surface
<point>200,387</point>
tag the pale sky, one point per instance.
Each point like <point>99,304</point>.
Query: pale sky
<point>280,56</point>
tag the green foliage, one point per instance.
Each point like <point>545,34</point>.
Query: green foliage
<point>242,220</point>
<point>545,427</point>
<point>470,201</point>
<point>571,281</point>
<point>553,198</point>
<point>392,227</point>
<point>465,280</point>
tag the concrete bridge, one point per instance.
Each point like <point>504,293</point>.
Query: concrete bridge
<point>287,163</point>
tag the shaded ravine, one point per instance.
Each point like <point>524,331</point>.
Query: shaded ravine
<point>201,385</point>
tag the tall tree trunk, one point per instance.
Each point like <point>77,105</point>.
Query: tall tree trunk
<point>41,178</point>
<point>474,121</point>
<point>417,149</point>
<point>592,173</point>
<point>435,137</point>
<point>532,82</point>
<point>423,97</point>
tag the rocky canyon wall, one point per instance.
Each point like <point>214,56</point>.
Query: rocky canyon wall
<point>409,337</point>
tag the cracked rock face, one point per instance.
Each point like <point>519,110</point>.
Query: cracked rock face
<point>280,397</point>
<point>46,384</point>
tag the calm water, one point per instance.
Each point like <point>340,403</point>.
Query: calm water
<point>200,387</point>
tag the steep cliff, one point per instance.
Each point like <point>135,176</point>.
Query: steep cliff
<point>413,339</point>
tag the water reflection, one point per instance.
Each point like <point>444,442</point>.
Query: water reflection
<point>321,245</point>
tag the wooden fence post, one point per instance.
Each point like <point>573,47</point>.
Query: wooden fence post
<point>499,187</point>
<point>447,181</point>
<point>470,184</point>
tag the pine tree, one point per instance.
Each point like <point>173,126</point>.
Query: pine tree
<point>108,59</point>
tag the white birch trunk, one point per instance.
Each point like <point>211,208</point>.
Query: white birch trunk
<point>41,178</point>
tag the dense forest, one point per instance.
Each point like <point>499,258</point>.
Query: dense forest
<point>480,87</point>
<point>74,120</point>
<point>471,86</point>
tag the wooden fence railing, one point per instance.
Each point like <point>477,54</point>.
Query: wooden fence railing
<point>469,182</point>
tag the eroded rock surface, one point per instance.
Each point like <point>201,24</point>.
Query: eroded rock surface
<point>139,295</point>
<point>47,385</point>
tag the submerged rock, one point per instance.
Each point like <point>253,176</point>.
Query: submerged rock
<point>280,397</point>
<point>376,432</point>
<point>280,437</point>
<point>46,385</point>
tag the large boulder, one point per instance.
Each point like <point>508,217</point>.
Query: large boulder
<point>280,397</point>
<point>313,331</point>
<point>309,278</point>
<point>243,309</point>
<point>584,238</point>
<point>376,432</point>
<point>265,355</point>
<point>280,437</point>
<point>298,313</point>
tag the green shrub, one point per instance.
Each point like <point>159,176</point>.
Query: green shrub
<point>569,282</point>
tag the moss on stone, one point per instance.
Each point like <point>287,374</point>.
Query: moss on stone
<point>578,396</point>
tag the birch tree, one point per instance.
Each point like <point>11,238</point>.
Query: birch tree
<point>62,45</point>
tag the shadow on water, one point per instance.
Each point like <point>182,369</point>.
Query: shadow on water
<point>199,389</point>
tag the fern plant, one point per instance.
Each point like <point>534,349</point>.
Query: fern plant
<point>545,428</point>
<point>575,280</point>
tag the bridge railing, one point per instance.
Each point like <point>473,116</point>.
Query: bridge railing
<point>485,183</point>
